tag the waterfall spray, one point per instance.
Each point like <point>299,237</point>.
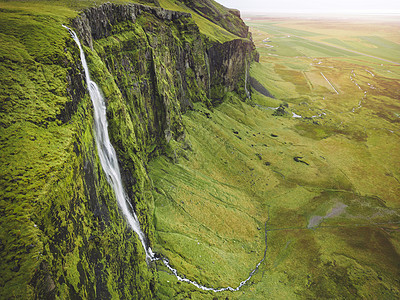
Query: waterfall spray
<point>109,162</point>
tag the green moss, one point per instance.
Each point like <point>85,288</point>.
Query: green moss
<point>34,142</point>
<point>207,28</point>
<point>51,240</point>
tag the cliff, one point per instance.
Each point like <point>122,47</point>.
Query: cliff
<point>62,235</point>
<point>218,14</point>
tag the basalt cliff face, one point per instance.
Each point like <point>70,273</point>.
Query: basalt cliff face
<point>62,234</point>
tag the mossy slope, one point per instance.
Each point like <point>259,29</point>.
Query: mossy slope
<point>61,233</point>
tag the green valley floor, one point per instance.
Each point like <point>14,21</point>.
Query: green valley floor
<point>315,182</point>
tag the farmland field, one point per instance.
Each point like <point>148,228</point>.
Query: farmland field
<point>317,180</point>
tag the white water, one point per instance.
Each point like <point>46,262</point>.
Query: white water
<point>245,82</point>
<point>294,115</point>
<point>208,73</point>
<point>109,162</point>
<point>204,288</point>
<point>107,155</point>
<point>372,74</point>
<point>352,78</point>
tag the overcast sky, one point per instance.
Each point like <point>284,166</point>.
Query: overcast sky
<point>369,6</point>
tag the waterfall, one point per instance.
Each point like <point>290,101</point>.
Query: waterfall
<point>107,155</point>
<point>109,162</point>
<point>209,74</point>
<point>245,81</point>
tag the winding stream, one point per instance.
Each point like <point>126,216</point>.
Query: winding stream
<point>353,79</point>
<point>109,162</point>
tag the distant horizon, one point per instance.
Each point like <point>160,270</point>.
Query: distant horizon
<point>323,13</point>
<point>326,7</point>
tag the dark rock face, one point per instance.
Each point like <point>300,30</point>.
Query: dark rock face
<point>76,90</point>
<point>229,63</point>
<point>235,12</point>
<point>99,22</point>
<point>169,52</point>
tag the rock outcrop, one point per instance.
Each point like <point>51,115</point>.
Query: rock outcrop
<point>229,63</point>
<point>100,22</point>
<point>219,15</point>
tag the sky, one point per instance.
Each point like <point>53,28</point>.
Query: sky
<point>326,6</point>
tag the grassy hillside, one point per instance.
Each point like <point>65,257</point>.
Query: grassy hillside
<point>35,146</point>
<point>323,176</point>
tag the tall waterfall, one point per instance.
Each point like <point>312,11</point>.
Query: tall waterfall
<point>245,81</point>
<point>208,73</point>
<point>109,162</point>
<point>107,155</point>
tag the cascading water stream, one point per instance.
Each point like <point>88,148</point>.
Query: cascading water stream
<point>109,162</point>
<point>107,155</point>
<point>208,73</point>
<point>245,81</point>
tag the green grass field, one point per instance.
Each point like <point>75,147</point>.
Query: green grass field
<point>327,185</point>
